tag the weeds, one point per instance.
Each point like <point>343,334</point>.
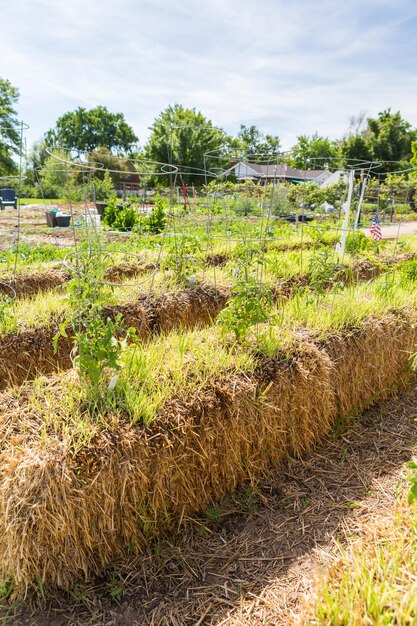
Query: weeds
<point>182,258</point>
<point>98,339</point>
<point>324,272</point>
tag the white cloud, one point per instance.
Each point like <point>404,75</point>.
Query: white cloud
<point>289,67</point>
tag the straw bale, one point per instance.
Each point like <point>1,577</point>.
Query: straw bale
<point>65,517</point>
<point>26,354</point>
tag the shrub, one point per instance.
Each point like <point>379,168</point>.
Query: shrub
<point>123,217</point>
<point>156,222</point>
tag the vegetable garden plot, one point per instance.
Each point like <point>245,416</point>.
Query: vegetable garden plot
<point>30,351</point>
<point>142,434</point>
<point>69,505</point>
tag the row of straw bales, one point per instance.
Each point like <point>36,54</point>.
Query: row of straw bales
<point>24,355</point>
<point>65,517</point>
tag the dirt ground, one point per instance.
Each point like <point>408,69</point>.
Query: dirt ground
<point>30,227</point>
<point>33,228</point>
<point>393,231</point>
<point>252,559</point>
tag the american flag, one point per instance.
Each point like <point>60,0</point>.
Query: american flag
<point>375,230</point>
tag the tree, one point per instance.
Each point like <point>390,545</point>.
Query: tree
<point>355,148</point>
<point>386,138</point>
<point>58,178</point>
<point>255,144</point>
<point>102,159</point>
<point>183,137</point>
<point>10,143</point>
<point>390,138</point>
<point>314,152</point>
<point>85,130</point>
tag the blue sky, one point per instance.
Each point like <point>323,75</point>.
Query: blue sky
<point>289,67</point>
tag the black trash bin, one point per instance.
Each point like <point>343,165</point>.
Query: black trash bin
<point>63,220</point>
<point>51,219</point>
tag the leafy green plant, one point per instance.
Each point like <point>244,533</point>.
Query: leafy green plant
<point>182,257</point>
<point>252,302</point>
<point>123,217</point>
<point>98,338</point>
<point>251,305</point>
<point>156,222</point>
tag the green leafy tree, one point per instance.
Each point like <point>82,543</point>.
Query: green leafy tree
<point>9,130</point>
<point>314,152</point>
<point>182,137</point>
<point>58,179</point>
<point>355,148</point>
<point>390,138</point>
<point>104,161</point>
<point>387,137</point>
<point>85,130</point>
<point>255,144</point>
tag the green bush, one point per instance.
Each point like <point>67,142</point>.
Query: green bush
<point>101,189</point>
<point>358,242</point>
<point>122,217</point>
<point>156,222</point>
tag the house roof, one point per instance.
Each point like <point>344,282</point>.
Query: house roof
<point>272,170</point>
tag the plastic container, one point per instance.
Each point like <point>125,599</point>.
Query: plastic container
<point>63,221</point>
<point>101,207</point>
<point>51,219</point>
<point>93,220</point>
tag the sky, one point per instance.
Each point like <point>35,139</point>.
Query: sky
<point>290,67</point>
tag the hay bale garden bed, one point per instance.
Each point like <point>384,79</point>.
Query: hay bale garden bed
<point>75,492</point>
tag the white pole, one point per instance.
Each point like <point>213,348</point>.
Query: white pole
<point>358,212</point>
<point>340,247</point>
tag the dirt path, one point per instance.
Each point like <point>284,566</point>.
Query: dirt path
<point>392,231</point>
<point>253,560</point>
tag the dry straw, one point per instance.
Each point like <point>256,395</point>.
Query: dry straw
<point>64,518</point>
<point>25,354</point>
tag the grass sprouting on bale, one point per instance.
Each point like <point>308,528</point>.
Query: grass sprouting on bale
<point>193,417</point>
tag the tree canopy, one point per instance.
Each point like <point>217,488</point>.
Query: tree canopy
<point>387,137</point>
<point>255,144</point>
<point>9,131</point>
<point>314,152</point>
<point>390,137</point>
<point>85,130</point>
<point>182,137</point>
